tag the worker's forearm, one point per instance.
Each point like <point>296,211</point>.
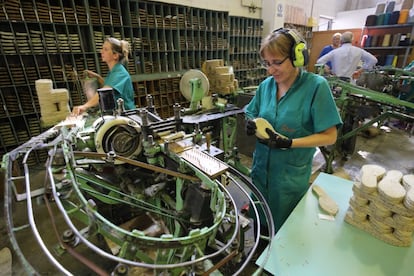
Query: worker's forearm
<point>92,74</point>
<point>325,138</point>
<point>92,101</point>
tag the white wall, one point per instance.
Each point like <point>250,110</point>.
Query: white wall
<point>314,8</point>
<point>351,19</point>
<point>354,19</point>
<point>272,18</point>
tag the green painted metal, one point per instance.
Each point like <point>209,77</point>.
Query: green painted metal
<point>350,97</point>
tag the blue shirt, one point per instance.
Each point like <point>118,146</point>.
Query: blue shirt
<point>120,80</point>
<point>326,50</point>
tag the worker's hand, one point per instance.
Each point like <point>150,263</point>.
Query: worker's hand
<point>327,69</point>
<point>356,74</point>
<point>250,127</point>
<point>275,141</point>
<point>78,110</point>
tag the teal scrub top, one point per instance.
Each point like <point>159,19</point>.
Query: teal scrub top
<point>307,108</point>
<point>120,80</point>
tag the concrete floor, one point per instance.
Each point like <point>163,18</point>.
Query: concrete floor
<point>392,148</point>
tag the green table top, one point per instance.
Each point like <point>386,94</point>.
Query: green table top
<point>308,245</point>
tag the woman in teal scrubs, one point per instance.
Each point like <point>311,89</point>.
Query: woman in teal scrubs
<point>300,106</point>
<point>114,53</point>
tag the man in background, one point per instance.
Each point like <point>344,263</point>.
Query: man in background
<point>346,59</point>
<point>336,42</point>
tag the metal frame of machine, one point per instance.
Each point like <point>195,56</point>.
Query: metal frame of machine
<point>361,107</point>
<point>154,195</point>
<point>141,192</point>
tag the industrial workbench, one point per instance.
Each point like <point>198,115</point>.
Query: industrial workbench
<point>309,245</point>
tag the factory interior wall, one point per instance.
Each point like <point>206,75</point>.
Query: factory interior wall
<point>354,18</point>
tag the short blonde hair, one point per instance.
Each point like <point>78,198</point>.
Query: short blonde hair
<point>337,35</point>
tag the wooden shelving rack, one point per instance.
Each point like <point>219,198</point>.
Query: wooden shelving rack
<point>59,39</point>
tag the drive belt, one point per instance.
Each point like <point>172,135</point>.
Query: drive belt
<point>136,163</point>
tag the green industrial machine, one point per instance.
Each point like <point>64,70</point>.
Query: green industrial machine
<point>147,195</point>
<point>194,86</point>
<point>211,113</point>
<point>361,107</point>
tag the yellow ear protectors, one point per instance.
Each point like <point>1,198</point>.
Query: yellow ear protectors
<point>299,54</point>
